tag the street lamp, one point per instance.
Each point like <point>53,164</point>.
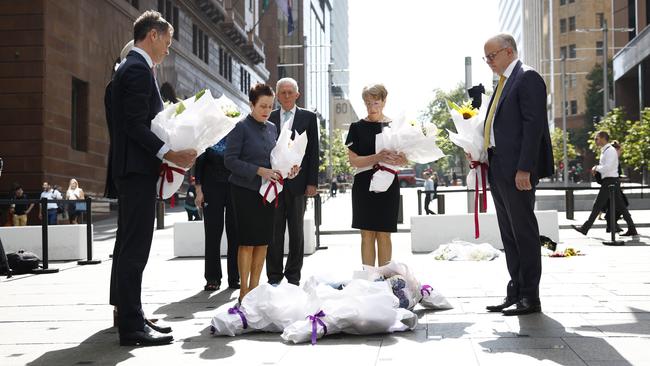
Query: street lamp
<point>605,30</point>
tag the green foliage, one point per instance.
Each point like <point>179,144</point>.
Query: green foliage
<point>437,112</point>
<point>593,102</point>
<point>558,147</point>
<point>636,151</point>
<point>614,124</point>
<point>340,162</point>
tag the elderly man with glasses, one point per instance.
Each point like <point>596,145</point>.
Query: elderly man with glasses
<point>518,145</point>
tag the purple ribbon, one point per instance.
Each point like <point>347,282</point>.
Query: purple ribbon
<point>235,310</point>
<point>315,321</point>
<point>426,289</point>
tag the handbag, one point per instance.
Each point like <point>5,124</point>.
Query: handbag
<point>80,206</point>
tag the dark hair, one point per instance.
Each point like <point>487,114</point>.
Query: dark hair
<point>603,134</point>
<point>149,20</point>
<point>259,90</point>
<point>17,186</point>
<point>616,144</point>
<point>167,93</point>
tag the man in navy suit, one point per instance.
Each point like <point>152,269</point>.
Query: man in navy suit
<point>292,199</point>
<point>519,151</point>
<point>137,154</point>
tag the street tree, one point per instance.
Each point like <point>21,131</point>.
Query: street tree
<point>614,124</point>
<point>636,153</point>
<point>558,147</point>
<point>593,103</point>
<point>340,162</point>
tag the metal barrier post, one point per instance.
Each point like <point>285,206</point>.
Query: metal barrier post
<point>400,211</point>
<point>89,236</point>
<point>569,203</point>
<point>482,207</point>
<point>318,216</point>
<point>419,202</point>
<point>441,204</point>
<point>612,217</point>
<point>160,214</point>
<point>44,241</point>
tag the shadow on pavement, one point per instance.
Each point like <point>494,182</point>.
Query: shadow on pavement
<point>101,348</point>
<point>186,308</point>
<point>543,338</point>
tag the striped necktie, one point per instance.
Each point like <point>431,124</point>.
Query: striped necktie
<point>490,116</point>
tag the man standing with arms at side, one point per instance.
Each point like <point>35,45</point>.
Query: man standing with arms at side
<point>137,155</point>
<point>519,151</point>
<point>608,169</point>
<point>293,198</point>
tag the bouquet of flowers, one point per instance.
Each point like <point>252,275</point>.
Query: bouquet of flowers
<point>470,135</point>
<point>194,123</point>
<point>286,154</point>
<point>418,143</point>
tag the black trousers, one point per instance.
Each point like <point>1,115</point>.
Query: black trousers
<point>137,201</point>
<point>519,231</point>
<point>428,197</point>
<point>602,202</point>
<point>217,201</point>
<point>291,212</point>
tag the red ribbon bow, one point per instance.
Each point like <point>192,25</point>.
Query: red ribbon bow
<point>275,189</point>
<point>386,169</point>
<point>483,166</point>
<point>166,173</point>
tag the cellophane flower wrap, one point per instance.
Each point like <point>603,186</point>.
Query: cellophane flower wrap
<point>417,142</point>
<point>194,123</point>
<point>287,153</point>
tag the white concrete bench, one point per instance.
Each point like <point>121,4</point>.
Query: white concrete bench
<point>189,239</point>
<point>65,242</point>
<point>429,232</point>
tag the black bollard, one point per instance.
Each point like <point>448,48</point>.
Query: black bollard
<point>612,217</point>
<point>44,242</point>
<point>441,204</point>
<point>419,202</point>
<point>569,203</point>
<point>89,236</point>
<point>160,214</point>
<point>318,218</point>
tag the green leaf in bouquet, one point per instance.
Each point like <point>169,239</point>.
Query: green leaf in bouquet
<point>199,94</point>
<point>453,105</point>
<point>179,108</point>
<point>233,113</point>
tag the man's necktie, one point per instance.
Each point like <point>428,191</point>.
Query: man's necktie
<point>490,116</point>
<point>285,117</point>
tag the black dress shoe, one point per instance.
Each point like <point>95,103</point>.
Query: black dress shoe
<point>507,302</point>
<point>580,229</point>
<point>630,233</point>
<point>144,338</point>
<point>234,285</point>
<point>525,306</point>
<point>158,328</point>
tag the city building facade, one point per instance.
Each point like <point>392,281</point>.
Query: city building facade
<point>61,55</point>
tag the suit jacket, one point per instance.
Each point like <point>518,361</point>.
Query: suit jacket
<point>304,120</point>
<point>110,190</point>
<point>135,101</point>
<point>521,134</point>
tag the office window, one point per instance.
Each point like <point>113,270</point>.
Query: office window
<point>573,80</point>
<point>200,43</point>
<point>572,51</point>
<point>600,19</point>
<point>221,62</point>
<point>572,24</point>
<point>572,1</point>
<point>79,115</point>
<point>574,107</point>
<point>562,25</point>
<point>563,51</point>
<point>170,13</point>
<point>250,5</point>
<point>599,48</point>
<point>134,3</point>
<point>229,72</point>
<point>244,80</point>
<point>562,2</point>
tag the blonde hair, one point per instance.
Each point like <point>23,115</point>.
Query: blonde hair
<point>374,91</point>
<point>72,181</point>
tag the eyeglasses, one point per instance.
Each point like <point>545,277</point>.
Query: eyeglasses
<point>374,104</point>
<point>493,55</point>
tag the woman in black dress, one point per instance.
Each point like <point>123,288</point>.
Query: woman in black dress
<point>248,157</point>
<point>375,214</point>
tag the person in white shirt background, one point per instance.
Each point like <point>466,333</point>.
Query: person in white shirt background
<point>50,194</point>
<point>74,192</point>
<point>608,170</point>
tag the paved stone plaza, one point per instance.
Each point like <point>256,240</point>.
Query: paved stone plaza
<point>596,310</point>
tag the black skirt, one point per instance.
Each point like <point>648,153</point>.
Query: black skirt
<point>374,211</point>
<point>254,217</point>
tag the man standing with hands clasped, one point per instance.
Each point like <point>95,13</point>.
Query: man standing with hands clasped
<point>518,144</point>
<point>136,159</point>
<point>292,199</point>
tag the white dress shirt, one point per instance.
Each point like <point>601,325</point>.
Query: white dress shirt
<point>289,119</point>
<point>506,74</point>
<point>608,165</point>
<point>165,148</point>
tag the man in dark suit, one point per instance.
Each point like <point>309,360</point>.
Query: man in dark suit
<point>519,150</point>
<point>292,199</point>
<point>136,158</point>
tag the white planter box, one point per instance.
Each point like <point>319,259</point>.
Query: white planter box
<point>429,232</point>
<point>189,239</point>
<point>65,242</point>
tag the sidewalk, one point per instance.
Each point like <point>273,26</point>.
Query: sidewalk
<point>596,311</point>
